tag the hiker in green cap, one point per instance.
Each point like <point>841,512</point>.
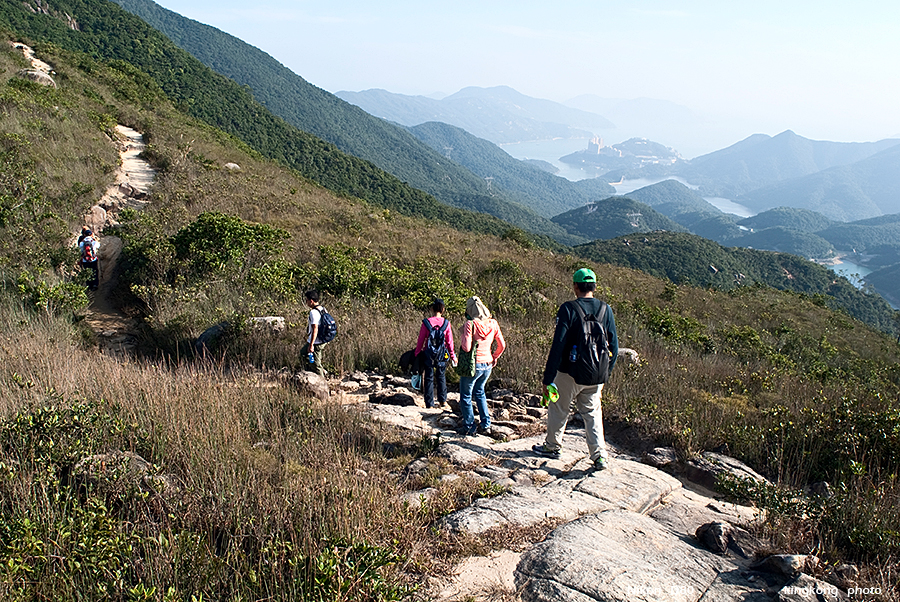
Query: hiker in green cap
<point>583,353</point>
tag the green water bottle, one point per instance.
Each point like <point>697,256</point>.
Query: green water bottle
<point>551,396</point>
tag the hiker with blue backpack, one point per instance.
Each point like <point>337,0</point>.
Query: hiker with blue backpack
<point>435,346</point>
<point>584,350</point>
<point>320,331</point>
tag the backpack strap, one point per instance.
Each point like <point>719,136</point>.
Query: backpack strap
<point>444,326</point>
<point>601,316</point>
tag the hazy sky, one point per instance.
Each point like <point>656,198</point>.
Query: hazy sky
<point>827,70</point>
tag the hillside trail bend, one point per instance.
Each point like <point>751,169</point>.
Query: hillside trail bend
<point>116,331</point>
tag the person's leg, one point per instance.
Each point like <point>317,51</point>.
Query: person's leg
<point>466,383</point>
<point>428,384</point>
<point>588,404</point>
<point>304,358</point>
<point>95,283</point>
<point>440,385</point>
<point>482,374</point>
<point>317,355</point>
<point>558,413</point>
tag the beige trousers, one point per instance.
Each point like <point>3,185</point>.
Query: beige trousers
<point>587,403</point>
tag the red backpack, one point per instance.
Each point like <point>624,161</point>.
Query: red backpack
<point>88,254</point>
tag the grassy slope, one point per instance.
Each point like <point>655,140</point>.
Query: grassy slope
<point>351,129</point>
<point>113,34</point>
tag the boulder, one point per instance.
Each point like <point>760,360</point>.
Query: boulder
<point>38,77</point>
<point>625,485</point>
<point>628,355</point>
<point>788,565</point>
<point>395,397</point>
<point>232,167</point>
<point>660,457</point>
<point>117,471</point>
<point>95,219</point>
<point>715,537</point>
<point>458,454</point>
<point>414,469</point>
<point>706,469</point>
<point>208,340</point>
<point>418,499</point>
<point>311,385</point>
<point>273,323</point>
<point>623,556</point>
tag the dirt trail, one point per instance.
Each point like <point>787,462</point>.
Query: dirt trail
<point>134,177</point>
<point>114,329</point>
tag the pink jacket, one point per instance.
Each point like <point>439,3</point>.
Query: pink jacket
<point>436,322</point>
<point>485,333</point>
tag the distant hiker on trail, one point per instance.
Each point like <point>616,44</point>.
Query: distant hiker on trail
<point>435,344</point>
<point>90,256</point>
<point>583,353</point>
<point>481,331</point>
<point>320,332</point>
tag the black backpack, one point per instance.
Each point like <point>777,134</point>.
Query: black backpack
<point>327,326</point>
<point>589,347</point>
<point>436,345</point>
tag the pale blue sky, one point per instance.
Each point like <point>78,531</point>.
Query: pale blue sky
<point>827,70</point>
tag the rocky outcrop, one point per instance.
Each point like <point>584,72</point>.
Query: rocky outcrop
<point>632,532</point>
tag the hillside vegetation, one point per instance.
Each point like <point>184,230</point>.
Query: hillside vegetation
<point>278,496</point>
<point>613,217</point>
<point>105,31</point>
<point>545,193</point>
<point>352,130</point>
<point>690,259</point>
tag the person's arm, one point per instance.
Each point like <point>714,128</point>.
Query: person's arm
<point>423,334</point>
<point>612,337</point>
<point>501,343</point>
<point>448,339</point>
<point>315,316</point>
<point>465,343</point>
<point>557,348</point>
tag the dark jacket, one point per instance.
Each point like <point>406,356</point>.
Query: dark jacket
<point>566,317</point>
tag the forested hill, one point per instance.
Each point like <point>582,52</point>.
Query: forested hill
<point>613,217</point>
<point>348,127</point>
<point>546,193</point>
<point>761,160</point>
<point>109,33</point>
<point>690,259</point>
<point>866,188</point>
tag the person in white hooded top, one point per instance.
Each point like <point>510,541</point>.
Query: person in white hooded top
<point>481,329</point>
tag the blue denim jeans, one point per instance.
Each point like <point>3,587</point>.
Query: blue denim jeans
<point>434,384</point>
<point>471,388</point>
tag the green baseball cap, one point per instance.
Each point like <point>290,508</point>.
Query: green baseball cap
<point>584,275</point>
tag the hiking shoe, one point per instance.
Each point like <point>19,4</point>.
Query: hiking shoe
<point>467,431</point>
<point>542,450</point>
<point>485,430</point>
<point>601,464</point>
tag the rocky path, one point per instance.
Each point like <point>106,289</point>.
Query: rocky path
<point>628,533</point>
<point>134,177</point>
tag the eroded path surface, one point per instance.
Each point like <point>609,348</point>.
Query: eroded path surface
<point>114,329</point>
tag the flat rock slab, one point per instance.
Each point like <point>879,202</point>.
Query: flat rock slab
<point>626,485</point>
<point>621,556</point>
<point>411,418</point>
